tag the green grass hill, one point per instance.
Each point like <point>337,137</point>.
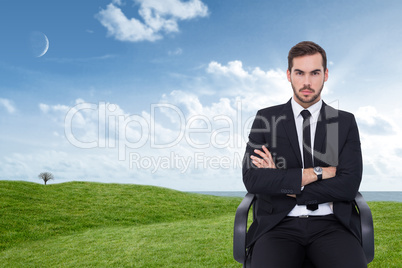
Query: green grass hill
<point>82,224</point>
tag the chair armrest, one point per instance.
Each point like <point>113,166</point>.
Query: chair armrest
<point>240,228</point>
<point>366,221</point>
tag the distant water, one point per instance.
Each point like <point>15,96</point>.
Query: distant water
<point>368,196</point>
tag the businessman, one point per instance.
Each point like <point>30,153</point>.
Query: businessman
<point>303,161</point>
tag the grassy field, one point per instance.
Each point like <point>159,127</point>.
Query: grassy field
<point>83,224</point>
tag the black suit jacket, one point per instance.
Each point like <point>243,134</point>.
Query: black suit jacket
<point>336,143</point>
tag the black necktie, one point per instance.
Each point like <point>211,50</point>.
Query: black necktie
<point>307,149</point>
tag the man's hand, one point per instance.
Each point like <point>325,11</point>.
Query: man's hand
<point>265,161</point>
<point>328,172</point>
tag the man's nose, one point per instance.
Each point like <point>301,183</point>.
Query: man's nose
<point>307,81</point>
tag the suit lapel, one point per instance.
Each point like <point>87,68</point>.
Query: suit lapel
<point>290,129</point>
<point>320,134</point>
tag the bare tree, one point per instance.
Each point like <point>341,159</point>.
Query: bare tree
<point>46,176</point>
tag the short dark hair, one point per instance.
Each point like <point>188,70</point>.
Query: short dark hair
<point>306,48</point>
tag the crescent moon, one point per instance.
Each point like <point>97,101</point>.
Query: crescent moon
<point>39,44</point>
<point>46,48</point>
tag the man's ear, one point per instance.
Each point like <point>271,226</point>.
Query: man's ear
<point>326,75</point>
<point>288,75</point>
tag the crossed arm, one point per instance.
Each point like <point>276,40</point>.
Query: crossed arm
<point>308,175</point>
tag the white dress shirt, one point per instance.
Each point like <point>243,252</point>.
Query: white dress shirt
<point>300,210</point>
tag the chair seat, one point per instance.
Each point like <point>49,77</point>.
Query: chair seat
<point>240,251</point>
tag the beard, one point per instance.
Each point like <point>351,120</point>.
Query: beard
<point>312,98</point>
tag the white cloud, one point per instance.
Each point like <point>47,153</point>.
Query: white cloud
<point>8,105</point>
<point>117,2</point>
<point>158,17</point>
<point>175,8</point>
<point>372,122</point>
<point>187,141</point>
<point>44,107</point>
<point>233,68</point>
<point>176,52</point>
<point>181,140</point>
<point>381,144</point>
<point>55,112</point>
<point>124,29</point>
<point>254,87</point>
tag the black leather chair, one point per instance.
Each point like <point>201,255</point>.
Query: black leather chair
<point>240,252</point>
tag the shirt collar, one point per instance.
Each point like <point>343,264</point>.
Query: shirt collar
<point>313,109</point>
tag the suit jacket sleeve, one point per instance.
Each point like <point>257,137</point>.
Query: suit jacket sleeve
<point>344,186</point>
<point>267,180</point>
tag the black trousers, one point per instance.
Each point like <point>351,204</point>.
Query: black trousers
<point>321,239</point>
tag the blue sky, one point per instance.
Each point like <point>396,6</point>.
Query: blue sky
<point>162,92</point>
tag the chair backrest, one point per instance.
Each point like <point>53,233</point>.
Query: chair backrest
<point>240,228</point>
<point>366,225</point>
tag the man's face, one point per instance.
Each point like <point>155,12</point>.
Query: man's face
<point>307,78</point>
